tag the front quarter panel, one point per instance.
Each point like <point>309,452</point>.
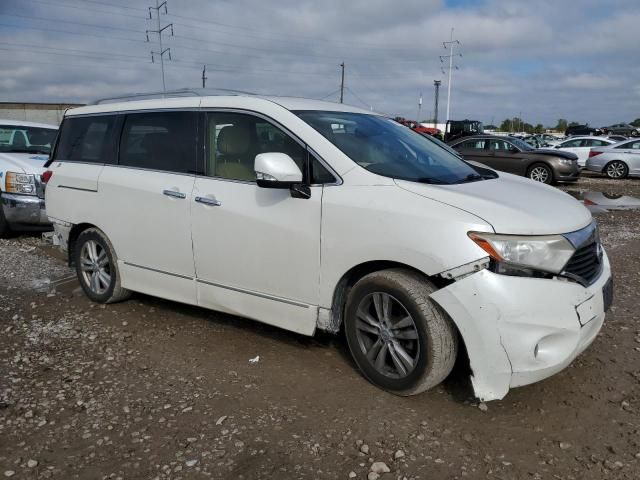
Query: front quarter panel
<point>386,223</point>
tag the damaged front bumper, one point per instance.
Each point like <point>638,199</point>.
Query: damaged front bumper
<point>520,330</point>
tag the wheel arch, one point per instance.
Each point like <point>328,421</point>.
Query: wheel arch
<point>354,274</point>
<point>74,233</point>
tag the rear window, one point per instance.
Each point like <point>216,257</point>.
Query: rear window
<point>160,141</point>
<point>87,139</point>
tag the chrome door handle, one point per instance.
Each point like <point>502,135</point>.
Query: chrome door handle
<point>174,194</point>
<point>208,201</point>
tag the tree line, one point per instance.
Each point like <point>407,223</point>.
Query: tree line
<point>518,125</point>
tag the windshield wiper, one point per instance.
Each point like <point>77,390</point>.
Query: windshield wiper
<point>431,181</point>
<point>473,177</point>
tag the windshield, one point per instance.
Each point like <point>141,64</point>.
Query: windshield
<point>21,139</point>
<point>387,148</point>
<point>521,144</point>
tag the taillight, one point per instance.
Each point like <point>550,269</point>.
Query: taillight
<point>593,154</point>
<point>46,176</point>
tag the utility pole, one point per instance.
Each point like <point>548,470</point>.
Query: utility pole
<point>159,31</point>
<point>436,83</point>
<point>342,84</point>
<point>204,79</point>
<point>419,108</point>
<point>452,45</point>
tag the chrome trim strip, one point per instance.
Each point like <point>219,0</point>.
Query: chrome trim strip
<point>158,271</point>
<point>583,236</point>
<point>80,189</point>
<point>255,294</point>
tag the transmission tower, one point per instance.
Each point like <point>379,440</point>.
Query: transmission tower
<point>159,31</point>
<point>450,45</point>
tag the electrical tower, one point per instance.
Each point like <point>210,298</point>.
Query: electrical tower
<point>451,44</point>
<point>159,32</point>
<point>342,83</point>
<point>436,83</point>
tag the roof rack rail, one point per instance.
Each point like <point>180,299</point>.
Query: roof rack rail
<point>182,92</point>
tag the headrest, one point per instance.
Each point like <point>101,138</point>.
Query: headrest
<point>233,140</point>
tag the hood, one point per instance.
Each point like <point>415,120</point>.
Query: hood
<point>22,162</point>
<point>555,153</point>
<point>510,204</point>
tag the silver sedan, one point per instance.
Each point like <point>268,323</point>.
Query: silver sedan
<point>616,161</point>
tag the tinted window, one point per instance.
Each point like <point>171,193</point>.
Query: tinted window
<point>633,145</point>
<point>160,141</point>
<point>599,143</point>
<point>87,139</point>
<point>234,140</point>
<point>387,148</point>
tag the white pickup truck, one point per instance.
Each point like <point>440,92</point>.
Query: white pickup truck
<point>24,148</point>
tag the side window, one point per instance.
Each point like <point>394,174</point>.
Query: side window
<point>234,140</point>
<point>160,141</point>
<point>87,139</point>
<point>599,143</point>
<point>472,145</point>
<point>633,146</point>
<point>499,146</point>
<point>571,144</point>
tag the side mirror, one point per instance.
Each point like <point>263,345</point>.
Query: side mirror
<point>276,170</point>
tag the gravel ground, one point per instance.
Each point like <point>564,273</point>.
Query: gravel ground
<point>154,389</point>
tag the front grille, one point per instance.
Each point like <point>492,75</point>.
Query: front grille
<point>586,262</point>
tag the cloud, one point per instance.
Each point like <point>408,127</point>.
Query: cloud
<point>546,59</point>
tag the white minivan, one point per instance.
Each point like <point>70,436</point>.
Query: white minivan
<point>312,215</point>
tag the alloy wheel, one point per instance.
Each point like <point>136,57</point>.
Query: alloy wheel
<point>387,335</point>
<point>539,174</point>
<point>616,170</point>
<point>95,267</point>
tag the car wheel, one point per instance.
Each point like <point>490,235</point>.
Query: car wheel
<point>401,341</point>
<point>97,267</point>
<point>616,169</point>
<point>5,230</point>
<point>635,133</point>
<point>540,173</point>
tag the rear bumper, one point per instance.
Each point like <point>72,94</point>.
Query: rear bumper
<point>24,211</point>
<point>520,330</point>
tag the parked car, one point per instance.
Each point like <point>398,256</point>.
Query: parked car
<point>617,138</point>
<point>622,129</point>
<point>515,156</point>
<point>311,215</point>
<point>24,148</point>
<point>582,130</point>
<point>581,146</point>
<point>620,160</point>
<point>548,140</point>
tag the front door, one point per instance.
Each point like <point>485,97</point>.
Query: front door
<point>257,250</point>
<point>507,157</point>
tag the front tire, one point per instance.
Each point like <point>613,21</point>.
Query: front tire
<point>616,170</point>
<point>5,230</point>
<point>97,267</point>
<point>401,341</point>
<point>540,173</point>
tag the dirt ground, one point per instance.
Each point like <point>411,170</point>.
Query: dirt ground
<point>152,389</point>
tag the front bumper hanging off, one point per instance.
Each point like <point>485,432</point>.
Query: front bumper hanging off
<point>521,330</point>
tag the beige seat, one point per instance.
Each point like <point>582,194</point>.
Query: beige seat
<point>235,160</point>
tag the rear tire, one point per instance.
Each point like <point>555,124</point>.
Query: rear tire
<point>616,170</point>
<point>540,172</point>
<point>97,267</point>
<point>401,341</point>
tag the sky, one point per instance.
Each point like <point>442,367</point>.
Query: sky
<point>540,59</point>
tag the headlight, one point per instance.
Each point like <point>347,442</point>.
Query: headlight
<point>549,253</point>
<point>22,183</point>
<point>567,161</point>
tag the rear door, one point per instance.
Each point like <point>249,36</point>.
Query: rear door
<point>147,201</point>
<point>632,153</point>
<point>475,150</point>
<point>507,157</point>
